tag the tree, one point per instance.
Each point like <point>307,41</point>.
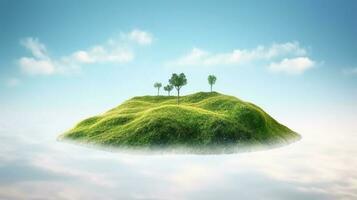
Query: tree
<point>168,88</point>
<point>178,81</point>
<point>158,86</point>
<point>211,80</point>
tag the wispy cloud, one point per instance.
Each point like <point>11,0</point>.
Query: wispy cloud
<point>113,51</point>
<point>200,57</point>
<point>102,54</point>
<point>292,66</point>
<point>39,62</point>
<point>34,66</point>
<point>37,49</point>
<point>141,37</point>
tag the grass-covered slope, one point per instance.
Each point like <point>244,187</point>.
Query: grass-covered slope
<point>201,119</point>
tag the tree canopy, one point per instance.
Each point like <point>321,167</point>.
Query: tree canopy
<point>158,86</point>
<point>178,81</point>
<point>212,80</point>
<point>168,88</point>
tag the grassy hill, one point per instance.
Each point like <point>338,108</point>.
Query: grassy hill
<point>201,120</point>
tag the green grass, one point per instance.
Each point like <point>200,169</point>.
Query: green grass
<point>201,120</point>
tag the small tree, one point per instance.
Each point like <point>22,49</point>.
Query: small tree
<point>158,86</point>
<point>211,80</point>
<point>168,88</point>
<point>178,81</point>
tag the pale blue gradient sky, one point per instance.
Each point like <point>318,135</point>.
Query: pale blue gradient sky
<point>325,29</point>
<point>319,102</point>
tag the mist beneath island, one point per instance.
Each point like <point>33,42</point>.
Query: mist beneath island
<point>33,165</point>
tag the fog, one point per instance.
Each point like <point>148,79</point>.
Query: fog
<point>33,165</point>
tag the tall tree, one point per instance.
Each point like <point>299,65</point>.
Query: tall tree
<point>168,88</point>
<point>211,80</point>
<point>158,86</point>
<point>178,81</point>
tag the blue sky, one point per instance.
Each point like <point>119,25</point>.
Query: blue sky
<point>293,58</point>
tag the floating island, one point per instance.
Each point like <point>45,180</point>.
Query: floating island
<point>204,122</point>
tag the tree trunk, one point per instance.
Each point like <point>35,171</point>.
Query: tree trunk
<point>168,92</point>
<point>211,87</point>
<point>158,91</point>
<point>178,96</point>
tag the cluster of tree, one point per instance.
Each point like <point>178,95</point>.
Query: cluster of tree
<point>177,81</point>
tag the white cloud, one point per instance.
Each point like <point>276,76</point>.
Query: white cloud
<point>82,56</point>
<point>39,63</point>
<point>113,51</point>
<point>101,54</point>
<point>141,37</point>
<point>195,57</point>
<point>289,48</point>
<point>199,57</point>
<point>13,82</point>
<point>292,66</point>
<point>35,66</point>
<point>37,49</point>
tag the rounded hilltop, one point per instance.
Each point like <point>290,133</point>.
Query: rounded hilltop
<point>203,119</point>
